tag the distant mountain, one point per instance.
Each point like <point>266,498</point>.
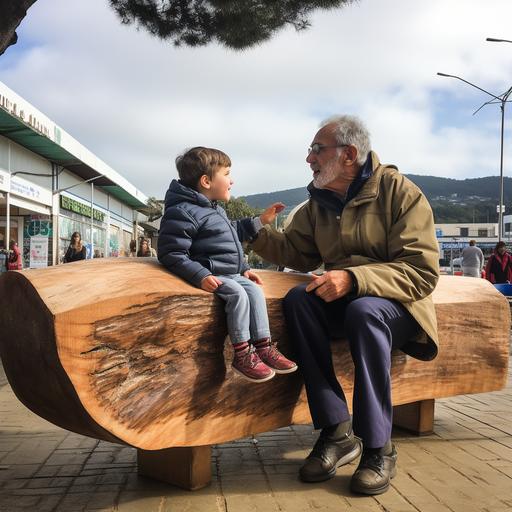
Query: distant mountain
<point>435,188</point>
<point>468,200</point>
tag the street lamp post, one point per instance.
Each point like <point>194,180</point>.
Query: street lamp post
<point>502,100</point>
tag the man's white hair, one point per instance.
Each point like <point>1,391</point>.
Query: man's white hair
<point>351,130</point>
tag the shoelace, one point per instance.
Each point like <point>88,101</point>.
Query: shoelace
<point>250,358</point>
<point>372,460</point>
<point>318,448</point>
<point>271,352</point>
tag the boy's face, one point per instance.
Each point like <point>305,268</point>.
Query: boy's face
<point>220,185</point>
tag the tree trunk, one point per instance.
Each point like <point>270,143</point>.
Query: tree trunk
<point>13,12</point>
<point>120,349</point>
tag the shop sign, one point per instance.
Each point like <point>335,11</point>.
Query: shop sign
<point>38,252</point>
<point>19,108</point>
<point>5,181</point>
<point>72,205</point>
<point>29,190</point>
<point>453,245</point>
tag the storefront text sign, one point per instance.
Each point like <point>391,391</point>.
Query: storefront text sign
<point>28,190</point>
<point>67,203</point>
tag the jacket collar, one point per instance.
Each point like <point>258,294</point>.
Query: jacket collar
<point>179,193</point>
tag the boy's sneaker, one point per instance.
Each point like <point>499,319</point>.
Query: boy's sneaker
<point>248,364</point>
<point>273,358</point>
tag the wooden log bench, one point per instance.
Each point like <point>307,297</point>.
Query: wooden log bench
<point>121,350</point>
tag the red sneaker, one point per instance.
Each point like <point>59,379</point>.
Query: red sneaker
<point>274,359</point>
<point>248,364</point>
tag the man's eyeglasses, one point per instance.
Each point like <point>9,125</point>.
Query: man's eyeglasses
<point>317,148</point>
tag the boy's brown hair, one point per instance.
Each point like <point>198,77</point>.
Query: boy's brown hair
<point>198,161</point>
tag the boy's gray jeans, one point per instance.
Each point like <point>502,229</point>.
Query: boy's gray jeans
<point>246,309</point>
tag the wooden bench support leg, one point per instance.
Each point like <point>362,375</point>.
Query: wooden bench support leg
<point>416,417</point>
<point>188,467</point>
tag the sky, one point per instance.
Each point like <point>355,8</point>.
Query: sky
<point>137,102</point>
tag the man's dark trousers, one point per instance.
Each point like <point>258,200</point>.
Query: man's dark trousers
<point>373,327</point>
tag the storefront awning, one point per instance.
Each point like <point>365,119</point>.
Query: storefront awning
<point>23,134</point>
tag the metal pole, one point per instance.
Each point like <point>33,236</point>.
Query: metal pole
<point>503,100</point>
<point>92,219</point>
<point>7,220</point>
<point>500,214</point>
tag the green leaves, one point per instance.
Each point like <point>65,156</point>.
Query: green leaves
<point>235,24</point>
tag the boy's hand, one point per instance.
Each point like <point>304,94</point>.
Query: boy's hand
<point>269,215</point>
<point>210,283</point>
<point>253,277</point>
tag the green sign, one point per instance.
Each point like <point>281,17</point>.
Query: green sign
<point>75,206</point>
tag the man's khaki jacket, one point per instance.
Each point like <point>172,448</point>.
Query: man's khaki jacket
<point>385,237</point>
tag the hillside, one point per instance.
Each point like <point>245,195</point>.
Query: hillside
<point>468,200</point>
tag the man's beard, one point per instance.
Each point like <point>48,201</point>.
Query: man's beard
<point>326,175</point>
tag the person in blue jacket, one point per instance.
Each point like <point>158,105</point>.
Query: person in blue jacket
<point>198,243</point>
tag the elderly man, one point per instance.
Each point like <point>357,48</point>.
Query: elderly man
<point>373,231</point>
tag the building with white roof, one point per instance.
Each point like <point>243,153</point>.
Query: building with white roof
<point>51,186</point>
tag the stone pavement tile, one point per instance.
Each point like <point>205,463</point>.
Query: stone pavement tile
<point>18,503</point>
<point>76,441</point>
<point>259,498</point>
<point>395,501</point>
<point>172,500</point>
<point>18,472</point>
<point>48,503</point>
<point>78,502</point>
<point>414,491</point>
<point>143,502</point>
<point>503,467</point>
<point>294,495</point>
<point>65,457</point>
<point>478,450</point>
<point>453,489</point>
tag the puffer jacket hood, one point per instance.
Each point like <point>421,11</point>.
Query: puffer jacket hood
<point>197,239</point>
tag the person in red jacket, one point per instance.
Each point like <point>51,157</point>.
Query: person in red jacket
<point>14,261</point>
<point>499,265</point>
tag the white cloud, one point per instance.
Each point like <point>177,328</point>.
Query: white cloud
<point>136,102</point>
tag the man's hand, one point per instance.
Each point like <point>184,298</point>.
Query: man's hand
<point>253,277</point>
<point>269,215</point>
<point>332,285</point>
<point>210,283</point>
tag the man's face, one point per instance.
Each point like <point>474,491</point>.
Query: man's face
<point>326,164</point>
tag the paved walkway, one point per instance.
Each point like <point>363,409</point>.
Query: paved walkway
<point>465,466</point>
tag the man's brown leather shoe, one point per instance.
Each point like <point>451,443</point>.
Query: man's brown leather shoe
<point>374,472</point>
<point>329,453</point>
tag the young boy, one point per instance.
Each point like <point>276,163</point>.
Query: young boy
<point>198,243</point>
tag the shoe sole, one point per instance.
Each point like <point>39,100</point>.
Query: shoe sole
<point>372,492</point>
<point>346,459</point>
<point>271,376</point>
<point>282,372</point>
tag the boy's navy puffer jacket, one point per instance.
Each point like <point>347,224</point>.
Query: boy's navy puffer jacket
<point>197,239</point>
